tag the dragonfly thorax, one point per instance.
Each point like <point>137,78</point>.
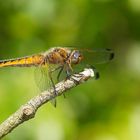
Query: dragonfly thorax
<point>62,56</point>
<point>57,55</point>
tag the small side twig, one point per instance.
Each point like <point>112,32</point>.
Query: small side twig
<point>28,111</point>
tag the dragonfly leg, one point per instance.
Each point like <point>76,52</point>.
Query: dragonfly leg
<point>68,74</point>
<point>56,69</point>
<point>61,69</point>
<point>50,76</point>
<point>74,80</point>
<point>58,76</point>
<point>53,85</point>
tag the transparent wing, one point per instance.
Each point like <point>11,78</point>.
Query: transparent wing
<point>97,56</point>
<point>93,57</point>
<point>44,80</point>
<point>41,76</point>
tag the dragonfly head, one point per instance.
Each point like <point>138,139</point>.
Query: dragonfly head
<point>76,57</point>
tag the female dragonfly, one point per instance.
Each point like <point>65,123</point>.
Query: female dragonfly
<point>60,59</point>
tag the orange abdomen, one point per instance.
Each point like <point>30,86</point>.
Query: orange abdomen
<point>23,62</point>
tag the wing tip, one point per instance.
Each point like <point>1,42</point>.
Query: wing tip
<point>112,54</point>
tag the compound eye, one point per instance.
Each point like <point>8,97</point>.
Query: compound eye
<point>76,55</point>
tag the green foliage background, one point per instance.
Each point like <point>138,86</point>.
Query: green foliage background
<point>106,109</point>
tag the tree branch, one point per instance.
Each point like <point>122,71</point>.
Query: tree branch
<point>28,111</point>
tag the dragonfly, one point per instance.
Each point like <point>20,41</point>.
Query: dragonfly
<point>59,60</point>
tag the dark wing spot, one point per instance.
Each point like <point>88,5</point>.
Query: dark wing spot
<point>111,56</point>
<point>111,53</point>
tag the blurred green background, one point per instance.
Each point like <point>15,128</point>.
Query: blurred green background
<point>106,109</point>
